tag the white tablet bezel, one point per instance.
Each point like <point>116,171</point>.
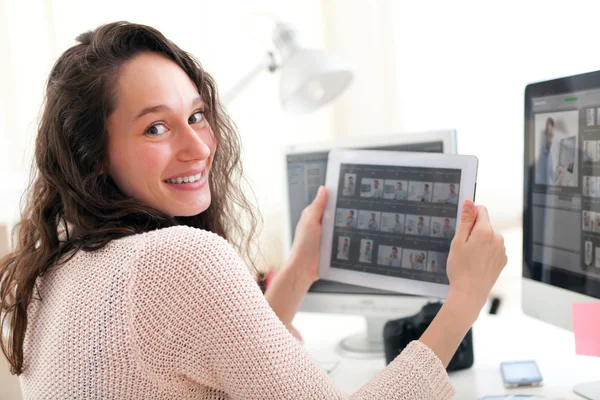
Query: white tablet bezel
<point>468,167</point>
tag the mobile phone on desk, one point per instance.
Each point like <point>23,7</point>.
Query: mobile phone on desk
<point>520,373</point>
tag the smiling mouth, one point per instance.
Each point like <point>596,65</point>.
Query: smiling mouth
<point>186,179</point>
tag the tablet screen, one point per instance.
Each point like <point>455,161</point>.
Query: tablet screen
<point>395,221</point>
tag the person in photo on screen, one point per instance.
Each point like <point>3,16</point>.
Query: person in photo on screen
<point>349,188</point>
<point>432,267</point>
<point>368,253</point>
<point>547,173</point>
<point>587,188</point>
<point>377,191</point>
<point>137,220</point>
<point>452,197</point>
<point>393,260</point>
<point>417,262</point>
<point>398,226</point>
<point>399,193</point>
<point>350,219</point>
<point>346,248</point>
<point>425,196</point>
<point>586,222</point>
<point>588,253</point>
<point>372,224</point>
<point>447,230</point>
<point>586,152</point>
<point>421,227</point>
<point>590,116</point>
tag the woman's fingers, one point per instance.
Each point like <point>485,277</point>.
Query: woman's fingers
<point>467,221</point>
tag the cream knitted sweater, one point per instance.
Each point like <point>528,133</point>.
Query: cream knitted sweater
<point>175,314</point>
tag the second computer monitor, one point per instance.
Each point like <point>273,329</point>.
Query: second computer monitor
<point>561,218</point>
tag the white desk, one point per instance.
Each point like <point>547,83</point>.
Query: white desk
<point>513,336</point>
<point>509,336</point>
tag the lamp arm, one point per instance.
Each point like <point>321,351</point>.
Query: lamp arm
<point>267,62</point>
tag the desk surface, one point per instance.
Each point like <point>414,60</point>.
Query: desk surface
<point>508,337</point>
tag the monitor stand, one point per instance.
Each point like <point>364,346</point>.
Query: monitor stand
<point>365,345</point>
<point>589,390</point>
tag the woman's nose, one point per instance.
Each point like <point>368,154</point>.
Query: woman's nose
<point>194,144</point>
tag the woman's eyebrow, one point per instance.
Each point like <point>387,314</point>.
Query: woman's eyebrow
<point>163,107</point>
<point>151,109</point>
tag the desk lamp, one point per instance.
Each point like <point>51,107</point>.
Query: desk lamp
<point>310,78</point>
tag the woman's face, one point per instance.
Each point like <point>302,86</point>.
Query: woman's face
<point>160,146</point>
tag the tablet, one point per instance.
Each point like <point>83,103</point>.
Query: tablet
<point>390,218</point>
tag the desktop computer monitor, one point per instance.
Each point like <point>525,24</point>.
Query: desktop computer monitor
<point>561,218</point>
<point>306,166</point>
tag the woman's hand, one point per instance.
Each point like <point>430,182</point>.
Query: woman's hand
<point>288,288</point>
<point>477,256</point>
<point>304,256</point>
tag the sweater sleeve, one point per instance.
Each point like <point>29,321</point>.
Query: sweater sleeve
<point>198,317</point>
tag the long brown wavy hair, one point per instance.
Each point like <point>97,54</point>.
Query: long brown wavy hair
<point>70,205</point>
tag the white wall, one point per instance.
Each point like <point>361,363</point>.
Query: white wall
<point>26,61</point>
<point>218,33</point>
<point>418,66</point>
<point>460,64</point>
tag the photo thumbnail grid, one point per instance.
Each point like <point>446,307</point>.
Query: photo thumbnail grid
<point>395,220</point>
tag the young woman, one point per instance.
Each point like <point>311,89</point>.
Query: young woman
<point>123,283</point>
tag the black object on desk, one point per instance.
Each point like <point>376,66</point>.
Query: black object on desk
<point>398,333</point>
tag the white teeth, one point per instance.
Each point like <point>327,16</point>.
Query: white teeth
<point>185,179</point>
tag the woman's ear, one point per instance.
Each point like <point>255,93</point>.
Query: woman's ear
<point>102,168</point>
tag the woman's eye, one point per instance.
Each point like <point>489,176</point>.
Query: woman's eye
<point>196,117</point>
<point>157,129</point>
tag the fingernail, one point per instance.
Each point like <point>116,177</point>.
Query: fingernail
<point>468,206</point>
<point>320,192</point>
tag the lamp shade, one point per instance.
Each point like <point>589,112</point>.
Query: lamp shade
<point>310,78</point>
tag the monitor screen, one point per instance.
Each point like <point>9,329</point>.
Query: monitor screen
<point>306,172</point>
<point>561,224</point>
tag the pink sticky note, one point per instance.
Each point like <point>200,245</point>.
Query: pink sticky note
<point>586,325</point>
